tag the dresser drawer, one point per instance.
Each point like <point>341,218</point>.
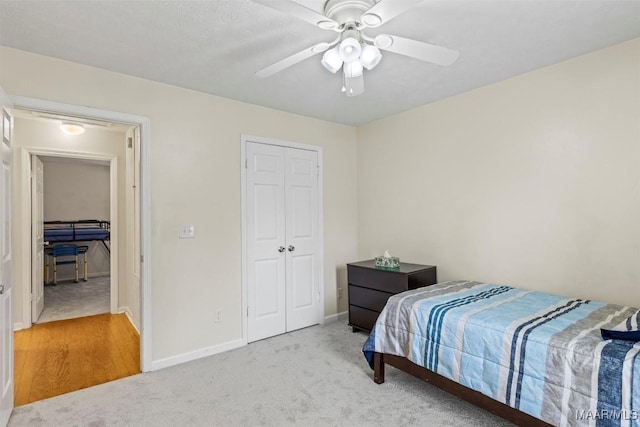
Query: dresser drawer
<point>387,281</point>
<point>362,318</point>
<point>368,298</point>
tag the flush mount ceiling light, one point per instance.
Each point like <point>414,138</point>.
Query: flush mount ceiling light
<point>71,128</point>
<point>352,50</point>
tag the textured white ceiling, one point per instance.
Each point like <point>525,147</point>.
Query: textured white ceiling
<point>217,46</point>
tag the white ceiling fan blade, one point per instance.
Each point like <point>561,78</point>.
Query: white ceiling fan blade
<point>354,85</point>
<point>301,12</point>
<point>424,51</point>
<point>293,60</point>
<point>385,10</point>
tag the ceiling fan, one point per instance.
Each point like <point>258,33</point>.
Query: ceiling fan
<point>352,50</point>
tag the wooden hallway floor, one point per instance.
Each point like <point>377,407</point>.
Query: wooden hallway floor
<point>60,357</point>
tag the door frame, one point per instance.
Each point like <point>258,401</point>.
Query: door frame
<point>37,247</point>
<point>26,165</point>
<point>145,209</point>
<point>7,383</point>
<point>243,188</point>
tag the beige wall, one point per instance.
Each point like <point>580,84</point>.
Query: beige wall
<point>75,190</point>
<point>533,181</point>
<point>195,156</point>
<point>40,136</point>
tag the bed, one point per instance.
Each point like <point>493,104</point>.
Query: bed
<point>530,357</point>
<point>78,231</point>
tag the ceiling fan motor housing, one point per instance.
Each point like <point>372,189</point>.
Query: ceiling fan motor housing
<point>347,11</point>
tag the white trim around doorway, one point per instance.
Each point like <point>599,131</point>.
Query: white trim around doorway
<point>145,181</point>
<point>25,155</point>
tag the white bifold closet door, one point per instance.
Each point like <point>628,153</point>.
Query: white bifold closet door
<point>282,239</point>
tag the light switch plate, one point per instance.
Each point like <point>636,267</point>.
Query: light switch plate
<point>187,231</point>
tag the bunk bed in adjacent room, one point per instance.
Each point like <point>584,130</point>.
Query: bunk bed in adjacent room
<point>85,230</point>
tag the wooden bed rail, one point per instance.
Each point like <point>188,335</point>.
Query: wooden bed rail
<point>452,387</point>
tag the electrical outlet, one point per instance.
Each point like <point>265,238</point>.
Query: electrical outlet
<point>187,231</point>
<point>340,295</point>
<point>218,316</point>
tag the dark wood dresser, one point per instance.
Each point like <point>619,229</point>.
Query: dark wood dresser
<point>370,288</point>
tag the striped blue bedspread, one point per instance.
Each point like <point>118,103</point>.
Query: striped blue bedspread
<point>539,353</point>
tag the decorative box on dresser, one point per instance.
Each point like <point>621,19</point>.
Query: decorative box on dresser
<point>371,287</point>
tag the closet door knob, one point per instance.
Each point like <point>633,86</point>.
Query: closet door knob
<point>291,248</point>
<point>1,289</point>
<point>281,249</point>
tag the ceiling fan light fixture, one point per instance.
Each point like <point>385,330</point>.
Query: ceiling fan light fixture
<point>331,60</point>
<point>71,128</point>
<point>349,49</point>
<point>353,69</point>
<point>370,56</point>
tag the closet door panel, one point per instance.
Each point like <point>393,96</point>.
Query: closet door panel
<point>303,291</point>
<point>301,198</point>
<point>282,239</point>
<point>265,241</point>
<point>267,279</point>
<point>302,216</point>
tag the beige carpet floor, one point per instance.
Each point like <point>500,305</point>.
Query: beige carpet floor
<point>312,377</point>
<point>68,300</point>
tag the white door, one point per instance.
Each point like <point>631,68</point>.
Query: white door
<point>37,238</point>
<point>301,183</point>
<point>282,239</point>
<point>266,252</point>
<point>6,321</point>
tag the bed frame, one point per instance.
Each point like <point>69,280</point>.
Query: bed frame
<point>465,393</point>
<point>85,230</point>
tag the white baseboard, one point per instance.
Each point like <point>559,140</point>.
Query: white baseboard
<point>72,277</point>
<point>98,274</point>
<point>129,315</point>
<point>17,326</point>
<point>198,354</point>
<point>335,317</point>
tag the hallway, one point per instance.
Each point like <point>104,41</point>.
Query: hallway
<point>59,357</point>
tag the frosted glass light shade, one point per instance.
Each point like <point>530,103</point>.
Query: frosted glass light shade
<point>349,49</point>
<point>331,60</point>
<point>370,56</point>
<point>72,128</point>
<point>353,69</point>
